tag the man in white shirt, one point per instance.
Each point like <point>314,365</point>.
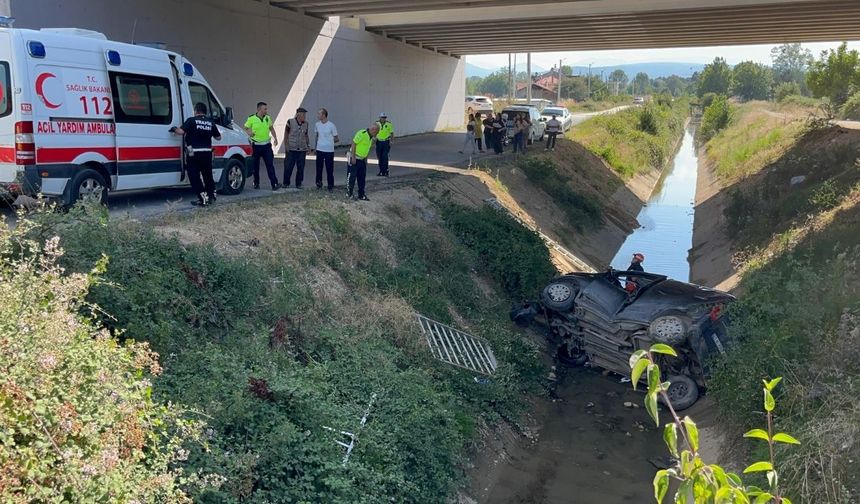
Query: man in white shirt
<point>553,127</point>
<point>324,140</point>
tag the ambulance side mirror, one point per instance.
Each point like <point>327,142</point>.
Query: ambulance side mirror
<point>228,116</point>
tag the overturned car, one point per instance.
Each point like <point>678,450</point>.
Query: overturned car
<point>602,318</point>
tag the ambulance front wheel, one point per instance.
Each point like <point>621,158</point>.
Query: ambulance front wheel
<point>88,184</point>
<point>233,177</point>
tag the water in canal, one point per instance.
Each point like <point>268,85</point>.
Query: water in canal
<point>666,232</point>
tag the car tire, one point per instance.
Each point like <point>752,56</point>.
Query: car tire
<point>87,182</point>
<point>233,177</point>
<point>559,296</point>
<point>683,392</point>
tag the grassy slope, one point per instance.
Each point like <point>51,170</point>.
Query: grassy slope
<point>799,311</point>
<point>619,140</point>
<point>295,332</point>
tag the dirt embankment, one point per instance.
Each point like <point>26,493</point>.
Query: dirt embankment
<point>589,175</point>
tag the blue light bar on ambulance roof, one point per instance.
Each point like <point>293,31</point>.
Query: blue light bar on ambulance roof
<point>188,69</point>
<point>114,58</point>
<point>36,49</point>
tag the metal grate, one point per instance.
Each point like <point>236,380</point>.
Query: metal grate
<point>458,348</point>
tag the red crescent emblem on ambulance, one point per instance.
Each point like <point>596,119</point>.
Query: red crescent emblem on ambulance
<point>40,90</point>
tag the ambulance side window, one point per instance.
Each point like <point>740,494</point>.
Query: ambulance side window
<point>141,99</point>
<point>5,90</point>
<point>200,94</point>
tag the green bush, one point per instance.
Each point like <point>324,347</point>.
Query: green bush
<point>851,109</point>
<point>254,346</point>
<point>786,89</point>
<point>636,139</point>
<point>513,255</point>
<point>77,420</point>
<point>648,121</point>
<point>716,117</point>
<point>708,99</point>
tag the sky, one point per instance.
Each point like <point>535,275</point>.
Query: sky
<point>732,54</point>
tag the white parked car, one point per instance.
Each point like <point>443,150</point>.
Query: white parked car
<point>480,104</point>
<point>561,114</point>
<point>639,100</point>
<point>538,124</point>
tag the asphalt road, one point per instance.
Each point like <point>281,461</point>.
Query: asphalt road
<point>410,156</point>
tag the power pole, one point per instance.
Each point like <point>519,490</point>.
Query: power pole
<point>510,77</point>
<point>559,83</point>
<point>589,81</point>
<point>515,76</point>
<point>529,80</point>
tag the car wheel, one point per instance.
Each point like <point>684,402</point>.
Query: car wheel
<point>683,391</point>
<point>233,177</point>
<point>87,184</point>
<point>559,296</point>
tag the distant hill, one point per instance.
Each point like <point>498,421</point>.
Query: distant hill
<point>654,70</point>
<point>476,71</point>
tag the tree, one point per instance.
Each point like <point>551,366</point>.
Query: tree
<point>566,70</point>
<point>790,62</point>
<point>676,85</point>
<point>715,78</point>
<point>472,84</point>
<point>618,79</point>
<point>495,84</point>
<point>641,84</point>
<point>575,87</point>
<point>834,74</point>
<point>752,81</point>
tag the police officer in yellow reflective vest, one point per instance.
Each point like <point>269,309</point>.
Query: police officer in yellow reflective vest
<point>260,128</point>
<point>383,143</point>
<point>357,160</point>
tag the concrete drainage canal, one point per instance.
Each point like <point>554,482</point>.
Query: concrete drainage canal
<point>596,443</point>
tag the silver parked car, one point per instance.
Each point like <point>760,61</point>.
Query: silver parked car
<point>561,114</point>
<point>538,123</point>
<point>480,104</point>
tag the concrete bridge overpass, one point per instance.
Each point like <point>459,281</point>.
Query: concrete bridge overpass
<point>361,57</point>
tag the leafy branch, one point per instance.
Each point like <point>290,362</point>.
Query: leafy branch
<point>700,482</point>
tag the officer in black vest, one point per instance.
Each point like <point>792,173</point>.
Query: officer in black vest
<point>199,132</point>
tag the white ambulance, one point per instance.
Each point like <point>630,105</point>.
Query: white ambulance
<point>82,115</point>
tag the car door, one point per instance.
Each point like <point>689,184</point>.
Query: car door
<point>146,106</point>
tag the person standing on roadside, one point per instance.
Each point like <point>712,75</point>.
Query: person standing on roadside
<point>527,130</point>
<point>383,143</point>
<point>357,161</point>
<point>199,132</point>
<point>296,134</point>
<point>518,134</point>
<point>260,129</point>
<point>325,138</point>
<point>488,132</point>
<point>479,132</point>
<point>499,131</point>
<point>470,135</point>
<point>553,126</point>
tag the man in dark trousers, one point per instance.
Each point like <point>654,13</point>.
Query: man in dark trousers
<point>199,132</point>
<point>296,135</point>
<point>357,160</point>
<point>383,143</point>
<point>260,129</point>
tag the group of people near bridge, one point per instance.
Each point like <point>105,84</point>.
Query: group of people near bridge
<point>494,131</point>
<point>300,140</point>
